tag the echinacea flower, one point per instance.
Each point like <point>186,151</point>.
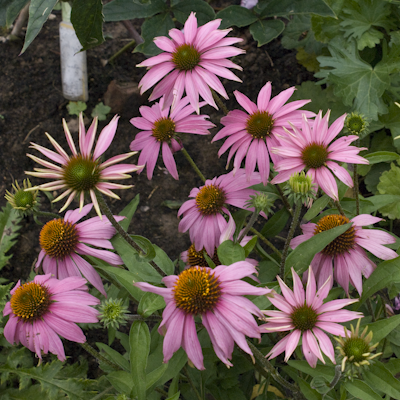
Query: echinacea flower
<point>306,316</point>
<point>25,202</point>
<point>46,308</point>
<point>253,135</point>
<point>64,241</point>
<point>160,128</point>
<point>202,215</point>
<point>346,252</point>
<point>83,173</point>
<point>190,62</point>
<point>216,295</point>
<point>310,148</point>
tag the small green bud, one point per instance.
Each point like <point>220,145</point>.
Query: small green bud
<point>356,124</point>
<point>113,313</point>
<point>261,202</point>
<point>301,187</point>
<point>26,202</point>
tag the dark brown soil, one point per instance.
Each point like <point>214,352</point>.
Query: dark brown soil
<point>31,103</point>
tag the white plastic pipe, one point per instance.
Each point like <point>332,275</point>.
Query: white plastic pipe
<point>73,63</point>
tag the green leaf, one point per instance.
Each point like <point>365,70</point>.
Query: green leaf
<point>382,328</point>
<point>379,377</point>
<point>356,82</point>
<point>159,25</point>
<point>114,356</point>
<point>9,227</point>
<point>300,258</point>
<point>87,19</point>
<point>391,121</point>
<point>267,30</point>
<point>290,7</point>
<point>276,223</point>
<point>121,10</point>
<point>389,183</point>
<point>319,371</point>
<point>76,107</point>
<point>381,156</point>
<point>139,340</point>
<point>385,273</point>
<point>236,16</point>
<point>100,111</point>
<point>4,6</point>
<point>229,252</point>
<point>149,303</point>
<point>121,381</point>
<point>12,11</point>
<point>129,212</point>
<point>39,11</point>
<point>249,246</point>
<point>204,12</point>
<point>155,375</point>
<point>175,396</point>
<point>360,390</point>
<point>317,207</point>
<point>148,251</point>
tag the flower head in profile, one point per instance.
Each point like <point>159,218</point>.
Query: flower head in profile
<point>83,172</point>
<point>303,313</point>
<point>25,202</point>
<point>64,241</point>
<point>191,61</point>
<point>202,215</point>
<point>254,134</point>
<point>346,253</point>
<point>216,295</point>
<point>43,310</point>
<point>310,148</point>
<point>160,128</point>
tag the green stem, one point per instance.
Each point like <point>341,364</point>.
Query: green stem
<point>283,197</point>
<point>98,356</point>
<point>293,227</point>
<point>196,392</point>
<point>219,102</point>
<point>121,51</point>
<point>193,164</point>
<point>249,225</point>
<point>370,309</point>
<point>47,214</point>
<point>107,212</point>
<point>266,241</point>
<point>339,207</point>
<point>269,368</point>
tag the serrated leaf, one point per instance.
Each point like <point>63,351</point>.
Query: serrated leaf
<point>266,30</point>
<point>87,19</point>
<point>391,121</point>
<point>159,25</point>
<point>39,11</point>
<point>100,111</point>
<point>204,12</point>
<point>229,252</point>
<point>290,7</point>
<point>361,390</point>
<point>76,107</point>
<point>121,10</point>
<point>389,183</point>
<point>236,16</point>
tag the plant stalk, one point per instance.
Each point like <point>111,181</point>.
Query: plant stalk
<point>266,241</point>
<point>249,225</point>
<point>98,356</point>
<point>47,214</point>
<point>339,207</point>
<point>193,164</point>
<point>219,102</point>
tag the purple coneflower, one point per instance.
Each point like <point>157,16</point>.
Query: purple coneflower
<point>217,296</point>
<point>202,215</point>
<point>83,172</point>
<point>190,62</point>
<point>346,252</point>
<point>304,314</point>
<point>46,308</point>
<point>253,135</point>
<point>63,241</point>
<point>160,129</point>
<point>310,149</point>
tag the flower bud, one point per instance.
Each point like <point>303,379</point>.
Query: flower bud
<point>113,313</point>
<point>26,202</point>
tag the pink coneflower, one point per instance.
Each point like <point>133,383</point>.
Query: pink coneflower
<point>254,134</point>
<point>346,252</point>
<point>217,296</point>
<point>190,63</point>
<point>159,128</point>
<point>83,172</point>
<point>305,315</point>
<point>63,241</point>
<point>46,308</point>
<point>202,215</point>
<point>310,148</point>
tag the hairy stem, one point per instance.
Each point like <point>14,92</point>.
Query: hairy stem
<point>98,356</point>
<point>219,102</point>
<point>196,392</point>
<point>266,241</point>
<point>193,164</point>
<point>47,214</point>
<point>339,207</point>
<point>249,225</point>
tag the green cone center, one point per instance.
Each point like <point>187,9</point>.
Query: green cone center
<point>164,129</point>
<point>304,318</point>
<point>24,199</point>
<point>314,155</point>
<point>186,57</point>
<point>81,174</point>
<point>356,347</point>
<point>260,124</point>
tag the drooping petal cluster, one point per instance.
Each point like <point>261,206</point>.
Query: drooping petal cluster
<point>303,313</point>
<point>345,258</point>
<point>191,61</point>
<point>83,172</point>
<point>64,241</point>
<point>253,135</point>
<point>202,215</point>
<point>159,129</point>
<point>310,148</point>
<point>46,308</point>
<point>217,296</point>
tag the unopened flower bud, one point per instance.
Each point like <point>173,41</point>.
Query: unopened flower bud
<point>261,202</point>
<point>301,187</point>
<point>26,202</point>
<point>113,313</point>
<point>356,124</point>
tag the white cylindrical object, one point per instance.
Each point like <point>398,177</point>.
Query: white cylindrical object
<point>73,65</point>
